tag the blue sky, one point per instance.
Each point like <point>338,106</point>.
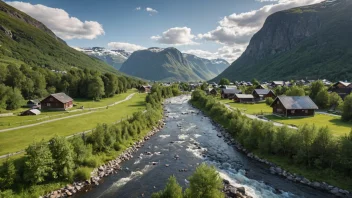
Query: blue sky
<point>208,28</point>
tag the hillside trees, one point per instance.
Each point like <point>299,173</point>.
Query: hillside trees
<point>224,81</point>
<point>347,108</point>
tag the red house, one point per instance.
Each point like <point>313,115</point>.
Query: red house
<point>57,102</point>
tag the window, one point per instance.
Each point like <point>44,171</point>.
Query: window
<point>292,111</point>
<point>48,104</point>
<point>306,111</point>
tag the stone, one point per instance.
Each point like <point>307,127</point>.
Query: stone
<point>242,190</point>
<point>226,182</point>
<point>316,184</point>
<point>334,191</point>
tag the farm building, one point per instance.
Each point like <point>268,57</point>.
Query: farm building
<point>243,98</point>
<point>57,101</point>
<point>33,103</point>
<point>342,88</point>
<point>30,112</point>
<point>290,106</point>
<point>277,83</point>
<point>145,89</point>
<point>229,93</point>
<point>261,94</point>
<point>212,91</point>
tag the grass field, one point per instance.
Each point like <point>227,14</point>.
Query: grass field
<point>335,124</point>
<point>257,108</point>
<point>15,121</point>
<point>17,140</point>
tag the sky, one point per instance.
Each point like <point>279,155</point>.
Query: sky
<point>206,28</point>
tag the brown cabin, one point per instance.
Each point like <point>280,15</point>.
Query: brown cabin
<point>30,112</point>
<point>262,94</point>
<point>144,89</point>
<point>57,102</point>
<point>229,93</point>
<point>243,98</point>
<point>342,89</point>
<point>291,106</point>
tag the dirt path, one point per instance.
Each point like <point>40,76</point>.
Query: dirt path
<point>57,119</point>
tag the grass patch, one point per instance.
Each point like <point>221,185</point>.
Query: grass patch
<point>17,140</point>
<point>328,176</point>
<point>335,124</point>
<point>256,108</point>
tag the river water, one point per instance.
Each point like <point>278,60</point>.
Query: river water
<point>190,135</point>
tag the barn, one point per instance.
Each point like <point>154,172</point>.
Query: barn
<point>144,89</point>
<point>243,98</point>
<point>30,112</point>
<point>57,102</point>
<point>262,94</point>
<point>291,106</point>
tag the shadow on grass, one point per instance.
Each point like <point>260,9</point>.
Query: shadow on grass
<point>138,104</point>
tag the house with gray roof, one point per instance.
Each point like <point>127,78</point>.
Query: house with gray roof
<point>57,101</point>
<point>262,94</point>
<point>244,98</point>
<point>291,106</point>
<point>229,93</point>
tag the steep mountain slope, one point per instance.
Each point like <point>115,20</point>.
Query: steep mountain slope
<point>170,64</point>
<point>114,58</point>
<point>26,40</point>
<point>306,42</point>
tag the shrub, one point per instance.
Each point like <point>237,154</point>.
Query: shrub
<point>117,146</point>
<point>82,173</point>
<point>269,101</point>
<point>91,162</point>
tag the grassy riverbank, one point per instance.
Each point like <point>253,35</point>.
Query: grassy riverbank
<point>311,152</point>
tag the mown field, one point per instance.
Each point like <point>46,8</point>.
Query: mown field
<point>335,124</point>
<point>15,121</point>
<point>257,108</point>
<point>17,140</point>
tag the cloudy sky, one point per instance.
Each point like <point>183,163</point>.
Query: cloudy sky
<point>207,28</point>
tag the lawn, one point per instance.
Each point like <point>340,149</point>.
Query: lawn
<point>17,140</point>
<point>15,121</point>
<point>257,108</point>
<point>335,124</point>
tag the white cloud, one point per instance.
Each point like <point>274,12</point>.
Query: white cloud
<point>229,53</point>
<point>138,8</point>
<point>125,46</point>
<point>151,10</point>
<point>239,28</point>
<point>60,22</point>
<point>176,36</point>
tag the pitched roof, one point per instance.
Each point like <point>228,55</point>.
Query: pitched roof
<point>262,91</point>
<point>231,91</point>
<point>278,82</point>
<point>62,97</point>
<point>34,111</point>
<point>244,96</point>
<point>34,101</point>
<point>297,102</point>
<point>343,83</point>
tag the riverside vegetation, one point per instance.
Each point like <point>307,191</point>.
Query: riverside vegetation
<point>48,166</point>
<point>311,151</point>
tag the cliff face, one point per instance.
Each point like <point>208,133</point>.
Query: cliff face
<point>305,42</point>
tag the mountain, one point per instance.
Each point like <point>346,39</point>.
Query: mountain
<point>170,64</point>
<point>309,42</point>
<point>25,40</point>
<point>114,58</point>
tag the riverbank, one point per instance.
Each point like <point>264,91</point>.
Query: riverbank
<point>274,169</point>
<point>111,167</point>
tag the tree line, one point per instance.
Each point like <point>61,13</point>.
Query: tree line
<point>307,146</point>
<point>66,160</point>
<point>24,82</point>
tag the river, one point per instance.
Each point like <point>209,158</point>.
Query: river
<point>189,134</point>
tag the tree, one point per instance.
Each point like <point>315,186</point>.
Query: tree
<point>322,99</point>
<point>295,91</point>
<point>38,163</point>
<point>7,174</point>
<point>255,82</point>
<point>269,101</point>
<point>80,150</point>
<point>110,84</point>
<point>95,88</point>
<point>172,190</point>
<point>347,108</point>
<point>224,81</point>
<point>315,87</point>
<point>335,100</point>
<point>62,153</point>
<point>204,86</point>
<point>205,183</point>
<point>14,99</point>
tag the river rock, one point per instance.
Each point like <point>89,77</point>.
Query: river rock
<point>242,190</point>
<point>316,184</point>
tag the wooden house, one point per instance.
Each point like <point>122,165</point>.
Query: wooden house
<point>262,94</point>
<point>30,112</point>
<point>342,89</point>
<point>57,102</point>
<point>33,103</point>
<point>291,106</point>
<point>243,98</point>
<point>145,89</point>
<point>211,91</point>
<point>229,93</point>
<point>277,83</point>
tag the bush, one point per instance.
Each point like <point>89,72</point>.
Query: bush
<point>82,173</point>
<point>91,162</point>
<point>269,101</point>
<point>117,146</point>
